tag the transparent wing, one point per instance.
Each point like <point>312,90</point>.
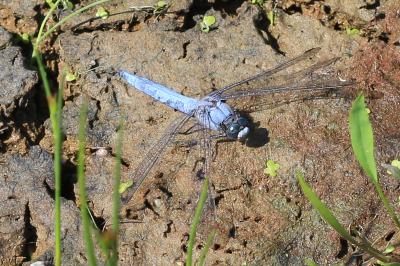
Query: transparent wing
<point>266,76</point>
<point>317,80</point>
<point>308,86</point>
<point>153,156</point>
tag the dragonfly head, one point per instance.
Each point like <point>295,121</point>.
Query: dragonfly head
<point>238,128</point>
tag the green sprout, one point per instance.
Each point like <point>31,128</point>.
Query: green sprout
<point>67,4</point>
<point>352,31</point>
<point>50,3</point>
<point>396,163</point>
<point>207,22</point>
<point>124,186</point>
<point>258,2</point>
<point>271,168</point>
<point>160,6</point>
<point>70,77</point>
<point>102,13</point>
<point>389,249</point>
<point>310,262</point>
<point>393,169</point>
<point>271,17</point>
<point>24,37</point>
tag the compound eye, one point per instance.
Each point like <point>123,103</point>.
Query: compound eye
<point>233,130</point>
<point>242,121</point>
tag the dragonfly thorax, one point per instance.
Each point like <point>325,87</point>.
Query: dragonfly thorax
<point>215,114</point>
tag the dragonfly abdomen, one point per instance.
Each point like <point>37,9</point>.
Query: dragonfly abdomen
<point>161,93</point>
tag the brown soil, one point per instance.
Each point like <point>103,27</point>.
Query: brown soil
<point>261,220</point>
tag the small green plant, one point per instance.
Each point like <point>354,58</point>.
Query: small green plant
<point>258,2</point>
<point>160,6</point>
<point>124,186</point>
<point>271,17</point>
<point>363,146</point>
<point>70,77</point>
<point>24,37</point>
<point>310,262</point>
<point>102,13</point>
<point>352,31</point>
<point>65,3</point>
<point>393,168</point>
<point>271,168</point>
<point>207,23</point>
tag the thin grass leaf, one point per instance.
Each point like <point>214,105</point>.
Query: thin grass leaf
<point>116,195</point>
<point>57,133</point>
<point>87,236</point>
<point>206,248</point>
<point>322,209</point>
<point>56,125</point>
<point>103,245</point>
<point>362,139</point>
<point>333,222</point>
<point>55,118</point>
<point>196,221</point>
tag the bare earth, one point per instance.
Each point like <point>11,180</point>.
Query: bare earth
<point>261,220</point>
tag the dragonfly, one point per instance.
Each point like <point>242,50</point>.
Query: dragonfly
<point>215,117</point>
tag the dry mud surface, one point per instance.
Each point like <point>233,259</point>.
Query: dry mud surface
<point>261,220</point>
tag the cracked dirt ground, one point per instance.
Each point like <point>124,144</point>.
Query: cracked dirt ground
<point>262,220</point>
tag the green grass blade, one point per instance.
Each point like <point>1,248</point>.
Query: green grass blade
<point>103,245</point>
<point>362,141</point>
<point>322,209</point>
<point>204,251</point>
<point>196,221</point>
<point>55,118</point>
<point>387,205</point>
<point>116,195</point>
<point>82,188</point>
<point>56,123</point>
<point>332,221</point>
<point>362,138</point>
<point>57,132</point>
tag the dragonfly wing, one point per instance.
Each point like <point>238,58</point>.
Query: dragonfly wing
<point>313,81</point>
<point>309,86</point>
<point>153,156</point>
<point>266,75</point>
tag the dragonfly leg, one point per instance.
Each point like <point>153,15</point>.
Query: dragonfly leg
<point>193,129</point>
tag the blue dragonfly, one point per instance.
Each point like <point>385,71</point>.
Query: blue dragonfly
<point>212,113</point>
